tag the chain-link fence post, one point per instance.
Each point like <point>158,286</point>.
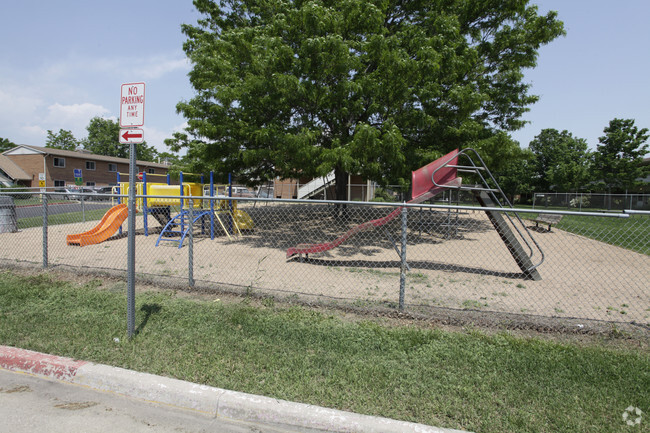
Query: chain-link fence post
<point>402,274</point>
<point>190,247</point>
<point>83,208</point>
<point>44,230</point>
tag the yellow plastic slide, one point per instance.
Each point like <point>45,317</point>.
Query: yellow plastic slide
<point>106,228</point>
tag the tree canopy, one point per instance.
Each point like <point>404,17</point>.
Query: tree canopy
<point>62,140</point>
<point>561,161</point>
<point>618,159</point>
<point>373,87</point>
<point>6,144</point>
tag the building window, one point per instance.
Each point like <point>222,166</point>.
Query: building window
<point>59,183</point>
<point>90,165</point>
<point>112,167</point>
<point>151,171</point>
<point>59,162</point>
<point>90,183</point>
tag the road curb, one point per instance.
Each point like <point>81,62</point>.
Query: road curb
<point>210,401</point>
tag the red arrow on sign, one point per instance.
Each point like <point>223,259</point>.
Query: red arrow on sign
<point>131,136</point>
<point>126,135</point>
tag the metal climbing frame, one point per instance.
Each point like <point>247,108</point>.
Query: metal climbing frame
<point>489,194</point>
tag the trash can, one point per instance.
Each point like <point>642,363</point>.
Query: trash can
<point>7,215</point>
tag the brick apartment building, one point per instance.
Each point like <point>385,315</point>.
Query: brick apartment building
<point>24,163</point>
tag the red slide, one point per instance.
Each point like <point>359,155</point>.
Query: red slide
<point>423,189</point>
<point>106,228</point>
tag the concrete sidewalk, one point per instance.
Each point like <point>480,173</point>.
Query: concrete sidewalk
<point>206,400</point>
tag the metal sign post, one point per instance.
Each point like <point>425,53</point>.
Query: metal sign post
<point>132,99</point>
<point>130,302</point>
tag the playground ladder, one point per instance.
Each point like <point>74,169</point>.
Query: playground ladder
<point>489,194</point>
<point>170,232</point>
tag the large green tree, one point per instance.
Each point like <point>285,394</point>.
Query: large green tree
<point>104,139</point>
<point>374,87</point>
<point>561,161</point>
<point>618,160</point>
<point>63,139</point>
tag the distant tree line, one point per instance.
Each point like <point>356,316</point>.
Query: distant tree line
<point>560,162</point>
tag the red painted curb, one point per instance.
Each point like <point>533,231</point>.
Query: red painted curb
<point>57,367</point>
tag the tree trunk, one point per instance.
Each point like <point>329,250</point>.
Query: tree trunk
<point>341,178</point>
<point>341,188</point>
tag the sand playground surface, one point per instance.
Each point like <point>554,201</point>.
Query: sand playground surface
<point>469,269</point>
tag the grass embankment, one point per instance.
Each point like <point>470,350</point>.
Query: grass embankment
<point>62,218</point>
<point>632,233</point>
<point>467,380</point>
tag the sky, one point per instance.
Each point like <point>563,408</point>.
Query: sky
<point>63,63</point>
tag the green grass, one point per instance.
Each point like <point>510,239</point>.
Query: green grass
<point>62,218</point>
<point>632,233</point>
<point>467,380</point>
<point>36,200</point>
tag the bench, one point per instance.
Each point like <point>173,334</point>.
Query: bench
<point>547,218</point>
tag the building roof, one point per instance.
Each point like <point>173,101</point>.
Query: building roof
<point>29,149</point>
<point>12,170</point>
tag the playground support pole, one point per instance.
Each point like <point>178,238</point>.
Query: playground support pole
<point>230,207</point>
<point>119,192</point>
<point>190,247</point>
<point>44,231</point>
<point>145,211</point>
<point>130,302</point>
<point>211,205</point>
<point>181,200</point>
<point>402,273</point>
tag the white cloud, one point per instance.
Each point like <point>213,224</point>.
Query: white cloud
<point>73,117</point>
<point>156,137</point>
<point>16,104</point>
<point>144,67</point>
<point>156,67</point>
<point>36,133</point>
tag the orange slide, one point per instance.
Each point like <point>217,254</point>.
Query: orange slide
<point>104,230</point>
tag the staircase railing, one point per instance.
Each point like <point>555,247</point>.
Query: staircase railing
<point>315,185</point>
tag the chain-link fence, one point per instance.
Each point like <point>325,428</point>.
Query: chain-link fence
<point>418,258</point>
<point>591,201</point>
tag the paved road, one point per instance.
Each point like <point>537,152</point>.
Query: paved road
<point>53,209</point>
<point>30,404</point>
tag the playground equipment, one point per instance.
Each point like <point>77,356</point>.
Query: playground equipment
<point>106,228</point>
<point>157,199</point>
<point>440,175</point>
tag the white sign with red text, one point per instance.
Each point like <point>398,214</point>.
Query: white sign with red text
<point>132,105</point>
